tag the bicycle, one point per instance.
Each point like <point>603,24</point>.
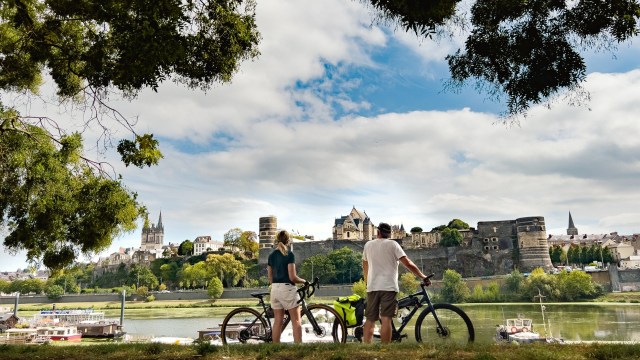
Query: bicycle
<point>436,324</point>
<point>320,323</point>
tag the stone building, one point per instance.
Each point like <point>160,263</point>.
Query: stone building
<point>358,226</point>
<point>204,244</point>
<point>152,236</point>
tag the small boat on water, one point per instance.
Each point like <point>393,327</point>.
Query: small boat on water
<point>520,330</point>
<point>517,329</point>
<point>60,333</point>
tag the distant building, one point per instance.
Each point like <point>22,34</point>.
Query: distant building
<point>571,230</point>
<point>204,244</point>
<point>358,226</point>
<point>152,237</point>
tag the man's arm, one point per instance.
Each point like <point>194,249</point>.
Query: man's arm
<point>365,270</point>
<point>412,267</point>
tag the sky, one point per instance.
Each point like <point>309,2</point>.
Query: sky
<point>340,111</point>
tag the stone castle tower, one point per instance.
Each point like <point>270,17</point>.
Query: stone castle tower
<point>528,235</point>
<point>532,242</point>
<point>152,235</point>
<point>355,226</point>
<point>268,227</point>
<point>571,230</point>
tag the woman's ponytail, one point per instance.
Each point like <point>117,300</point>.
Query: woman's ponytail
<point>282,240</point>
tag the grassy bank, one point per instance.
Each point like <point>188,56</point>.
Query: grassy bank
<point>321,352</point>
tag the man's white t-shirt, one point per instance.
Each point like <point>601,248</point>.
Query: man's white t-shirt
<point>382,256</point>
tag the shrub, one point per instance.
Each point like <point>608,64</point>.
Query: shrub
<point>54,292</point>
<point>360,288</point>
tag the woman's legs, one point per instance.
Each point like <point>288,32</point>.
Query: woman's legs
<point>278,318</point>
<point>296,324</point>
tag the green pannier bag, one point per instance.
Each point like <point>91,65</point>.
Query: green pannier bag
<point>350,309</point>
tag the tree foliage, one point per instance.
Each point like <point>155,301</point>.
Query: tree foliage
<point>129,45</point>
<point>530,50</point>
<point>226,267</point>
<point>185,248</point>
<point>215,288</point>
<point>52,205</point>
<point>454,289</point>
<point>416,229</point>
<point>450,237</point>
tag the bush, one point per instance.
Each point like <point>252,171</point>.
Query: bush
<point>54,292</point>
<point>215,288</point>
<point>454,289</point>
<point>149,298</point>
<point>360,288</point>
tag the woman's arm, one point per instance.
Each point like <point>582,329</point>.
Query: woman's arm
<point>293,275</point>
<point>270,274</point>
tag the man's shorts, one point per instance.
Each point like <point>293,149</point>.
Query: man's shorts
<point>381,303</point>
<point>284,296</point>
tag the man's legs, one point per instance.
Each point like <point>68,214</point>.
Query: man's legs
<point>385,329</point>
<point>367,335</point>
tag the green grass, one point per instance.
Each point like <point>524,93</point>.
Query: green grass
<point>321,352</point>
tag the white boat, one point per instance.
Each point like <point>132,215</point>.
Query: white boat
<point>172,340</point>
<point>60,333</point>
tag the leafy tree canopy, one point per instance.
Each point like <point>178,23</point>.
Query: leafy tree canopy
<point>458,224</point>
<point>450,237</point>
<point>53,206</point>
<point>185,248</point>
<point>416,229</point>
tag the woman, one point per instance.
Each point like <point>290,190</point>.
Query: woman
<point>281,269</point>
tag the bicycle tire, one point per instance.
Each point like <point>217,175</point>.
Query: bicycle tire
<point>457,328</point>
<point>244,325</point>
<point>327,318</point>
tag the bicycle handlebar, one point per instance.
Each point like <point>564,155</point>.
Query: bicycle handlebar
<point>308,289</point>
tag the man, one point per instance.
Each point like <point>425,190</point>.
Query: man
<point>380,268</point>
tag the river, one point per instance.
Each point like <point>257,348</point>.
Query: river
<point>574,322</point>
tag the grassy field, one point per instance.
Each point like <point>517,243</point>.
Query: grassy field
<point>321,352</point>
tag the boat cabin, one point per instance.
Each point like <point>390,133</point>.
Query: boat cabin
<point>518,325</point>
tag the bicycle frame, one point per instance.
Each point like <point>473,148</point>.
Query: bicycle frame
<point>421,298</point>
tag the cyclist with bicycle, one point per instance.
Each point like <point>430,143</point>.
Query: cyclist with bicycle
<point>281,270</point>
<point>380,269</point>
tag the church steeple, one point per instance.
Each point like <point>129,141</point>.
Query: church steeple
<point>160,221</point>
<point>571,230</point>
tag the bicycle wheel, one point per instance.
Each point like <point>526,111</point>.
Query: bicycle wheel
<point>456,328</point>
<point>331,326</point>
<point>244,325</point>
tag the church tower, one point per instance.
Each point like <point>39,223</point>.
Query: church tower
<point>571,230</point>
<point>152,235</point>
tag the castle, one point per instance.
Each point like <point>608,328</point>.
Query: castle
<point>358,226</point>
<point>494,248</point>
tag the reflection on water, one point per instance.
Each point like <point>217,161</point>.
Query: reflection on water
<point>619,322</point>
<point>577,322</point>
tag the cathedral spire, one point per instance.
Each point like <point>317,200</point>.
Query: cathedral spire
<point>160,220</point>
<point>571,230</point>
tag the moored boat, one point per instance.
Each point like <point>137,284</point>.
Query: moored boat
<point>60,333</point>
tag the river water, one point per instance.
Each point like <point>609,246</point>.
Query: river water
<point>574,322</point>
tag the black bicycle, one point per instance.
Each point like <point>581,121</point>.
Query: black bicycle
<point>437,323</point>
<point>320,323</point>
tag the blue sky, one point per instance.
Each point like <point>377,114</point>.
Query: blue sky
<point>339,112</point>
